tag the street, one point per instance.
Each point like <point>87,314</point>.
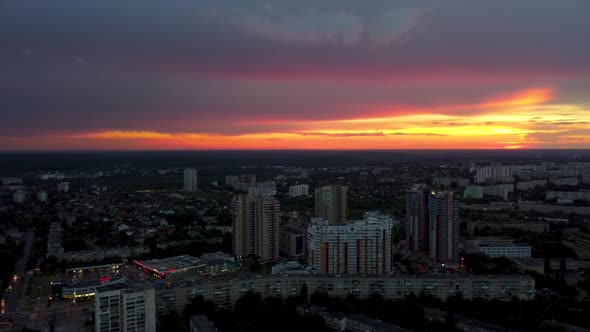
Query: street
<point>17,284</point>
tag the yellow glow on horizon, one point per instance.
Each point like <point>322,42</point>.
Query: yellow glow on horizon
<point>515,121</point>
<point>526,97</point>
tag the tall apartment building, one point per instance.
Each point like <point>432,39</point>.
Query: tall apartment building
<point>240,182</point>
<point>299,190</point>
<point>497,172</point>
<point>42,196</point>
<point>267,188</point>
<point>125,310</point>
<point>331,204</point>
<point>363,246</point>
<point>55,246</point>
<point>444,228</point>
<point>267,216</point>
<point>417,217</point>
<point>232,181</point>
<point>255,226</point>
<point>19,196</point>
<point>190,180</point>
<point>63,187</point>
<point>242,212</point>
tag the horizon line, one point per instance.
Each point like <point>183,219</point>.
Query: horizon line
<point>287,150</point>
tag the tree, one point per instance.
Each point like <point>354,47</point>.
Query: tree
<point>303,292</point>
<point>547,270</point>
<point>173,322</point>
<point>248,305</point>
<point>152,244</point>
<point>562,270</point>
<point>199,306</point>
<point>450,323</point>
<point>399,233</point>
<point>418,317</point>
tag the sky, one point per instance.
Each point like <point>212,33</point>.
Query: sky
<point>305,74</point>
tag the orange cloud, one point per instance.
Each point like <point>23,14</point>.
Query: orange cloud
<point>533,96</point>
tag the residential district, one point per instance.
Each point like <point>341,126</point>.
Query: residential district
<point>467,245</point>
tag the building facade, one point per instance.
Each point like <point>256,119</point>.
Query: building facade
<point>495,172</point>
<point>240,182</point>
<point>19,196</point>
<point>125,310</point>
<point>569,195</point>
<point>255,226</point>
<point>515,250</point>
<point>444,228</point>
<point>263,189</point>
<point>331,204</point>
<point>267,216</point>
<point>292,241</point>
<point>473,192</point>
<point>242,212</point>
<point>527,226</point>
<point>363,246</point>
<point>299,190</point>
<point>224,293</point>
<point>495,247</point>
<point>190,180</point>
<point>63,187</point>
<point>417,217</point>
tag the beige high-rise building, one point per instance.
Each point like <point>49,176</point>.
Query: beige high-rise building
<point>444,227</point>
<point>242,211</point>
<point>190,180</point>
<point>417,218</point>
<point>255,226</point>
<point>331,204</point>
<point>267,215</point>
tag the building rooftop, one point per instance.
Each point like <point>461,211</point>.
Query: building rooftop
<point>500,244</point>
<point>171,264</point>
<point>203,324</point>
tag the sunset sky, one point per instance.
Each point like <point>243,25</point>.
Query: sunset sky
<point>306,74</point>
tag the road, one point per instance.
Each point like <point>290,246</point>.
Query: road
<point>12,297</point>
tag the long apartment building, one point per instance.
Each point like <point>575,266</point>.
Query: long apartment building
<point>224,292</point>
<point>527,226</point>
<point>364,246</point>
<point>497,247</point>
<point>569,195</point>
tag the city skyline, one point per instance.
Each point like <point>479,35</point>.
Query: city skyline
<point>108,243</point>
<point>202,75</point>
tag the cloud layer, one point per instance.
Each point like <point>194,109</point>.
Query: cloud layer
<point>294,74</point>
